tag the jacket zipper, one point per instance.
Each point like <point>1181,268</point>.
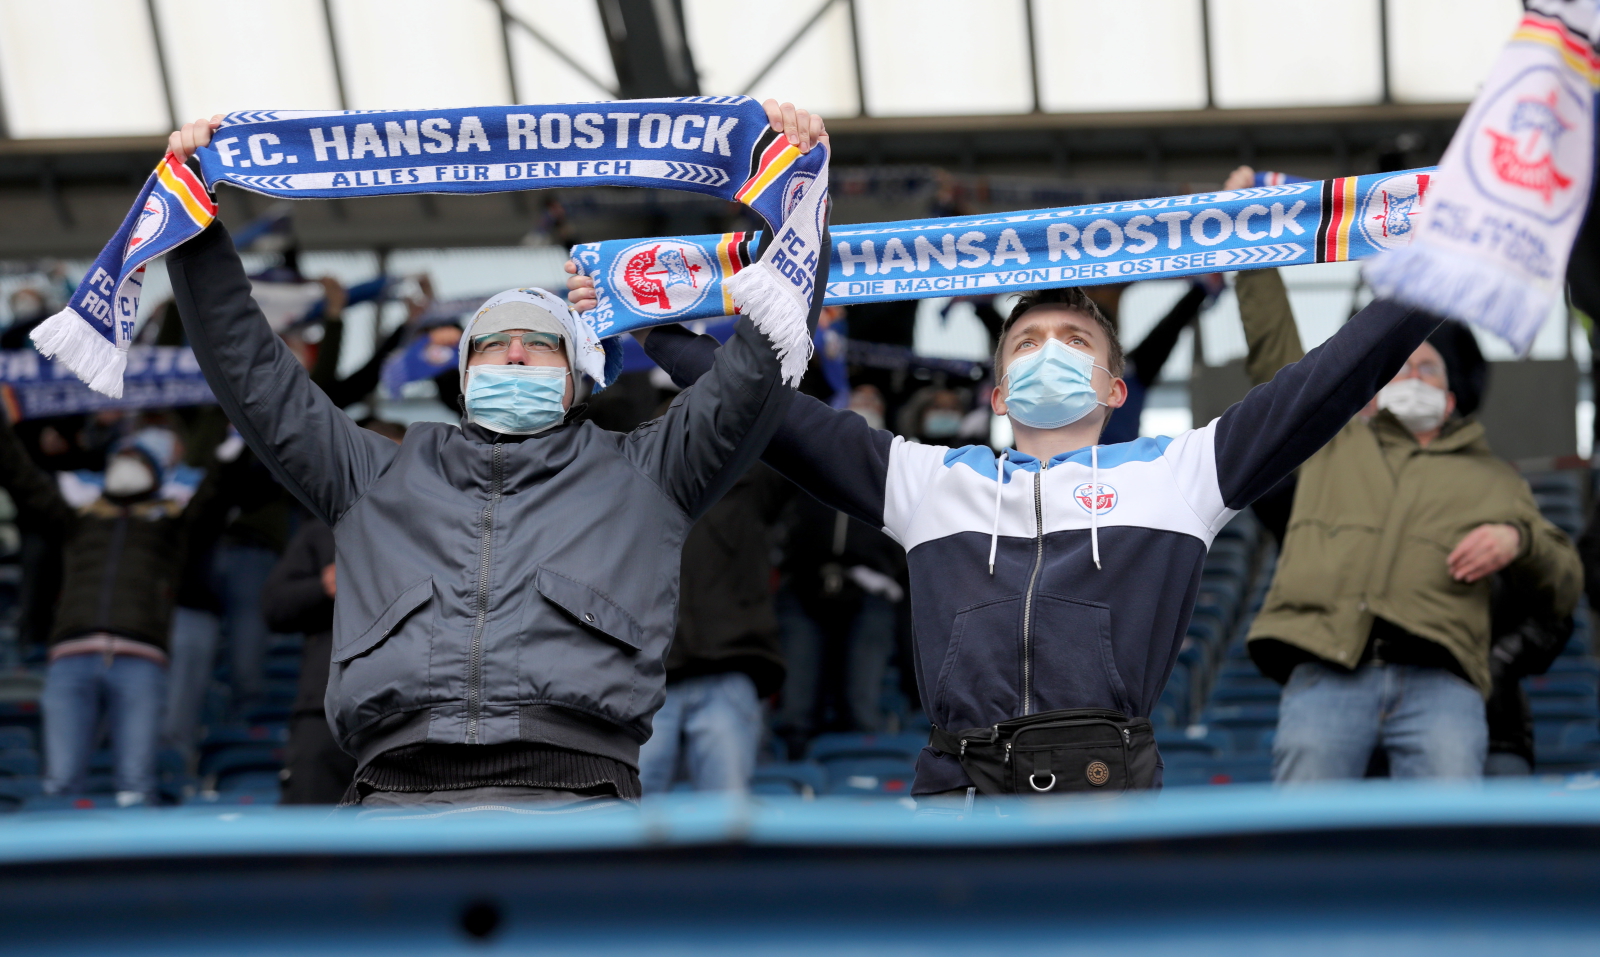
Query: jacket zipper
<point>485,550</point>
<point>1033,579</point>
<point>108,579</point>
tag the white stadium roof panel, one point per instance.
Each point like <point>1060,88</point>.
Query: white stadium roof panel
<point>289,67</point>
<point>1097,57</point>
<point>1267,53</point>
<point>1441,50</point>
<point>543,76</point>
<point>734,41</point>
<point>944,57</point>
<point>459,59</point>
<point>80,68</point>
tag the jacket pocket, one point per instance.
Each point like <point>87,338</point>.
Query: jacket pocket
<point>591,608</point>
<point>401,608</point>
<point>979,683</point>
<point>1073,665</point>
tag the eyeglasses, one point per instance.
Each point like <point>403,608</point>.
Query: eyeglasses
<point>491,343</point>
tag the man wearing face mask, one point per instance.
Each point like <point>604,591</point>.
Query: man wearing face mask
<point>108,648</point>
<point>1051,585</point>
<point>506,589</point>
<point>1378,621</point>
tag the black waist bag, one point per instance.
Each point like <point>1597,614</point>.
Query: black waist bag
<point>1057,752</point>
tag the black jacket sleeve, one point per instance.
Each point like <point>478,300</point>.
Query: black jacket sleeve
<point>293,598</point>
<point>312,448</point>
<point>1266,435</point>
<point>831,453</point>
<point>1151,354</point>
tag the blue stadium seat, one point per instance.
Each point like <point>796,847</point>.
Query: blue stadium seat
<point>229,736</point>
<point>19,763</point>
<point>826,748</point>
<point>81,802</point>
<point>798,778</point>
<point>241,758</point>
<point>265,797</point>
<point>863,776</point>
<point>18,738</point>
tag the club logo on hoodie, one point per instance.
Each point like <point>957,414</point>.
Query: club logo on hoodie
<point>1100,498</point>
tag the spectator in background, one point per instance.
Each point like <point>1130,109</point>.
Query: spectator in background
<point>28,308</point>
<point>1528,637</point>
<point>934,414</point>
<point>725,655</point>
<point>1378,619</point>
<point>298,597</point>
<point>843,583</point>
<point>108,652</point>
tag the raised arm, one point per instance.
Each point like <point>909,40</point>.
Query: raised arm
<point>311,447</point>
<point>1266,435</point>
<point>831,453</point>
<point>33,490</point>
<point>1268,322</point>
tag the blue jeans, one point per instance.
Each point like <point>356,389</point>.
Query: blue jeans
<point>193,648</point>
<point>241,572</point>
<point>869,645</point>
<point>711,724</point>
<point>129,693</point>
<point>1429,721</point>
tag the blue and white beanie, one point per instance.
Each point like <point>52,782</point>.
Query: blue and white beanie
<point>539,310</point>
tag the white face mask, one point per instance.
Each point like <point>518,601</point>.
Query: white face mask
<point>127,476</point>
<point>1419,406</point>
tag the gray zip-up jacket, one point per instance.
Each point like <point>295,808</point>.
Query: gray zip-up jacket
<point>491,589</point>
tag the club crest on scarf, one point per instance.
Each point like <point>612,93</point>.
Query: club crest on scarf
<point>665,278</point>
<point>1388,214</point>
<point>1525,157</point>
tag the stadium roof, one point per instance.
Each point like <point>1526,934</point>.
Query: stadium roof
<point>126,68</point>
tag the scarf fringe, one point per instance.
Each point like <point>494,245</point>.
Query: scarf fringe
<point>69,339</point>
<point>767,299</point>
<point>1445,282</point>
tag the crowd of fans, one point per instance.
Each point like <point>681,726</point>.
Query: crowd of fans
<point>164,570</point>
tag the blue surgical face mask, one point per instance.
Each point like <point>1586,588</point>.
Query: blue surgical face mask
<point>516,400</point>
<point>1051,386</point>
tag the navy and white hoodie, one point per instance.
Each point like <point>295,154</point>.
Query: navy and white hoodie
<point>1048,629</point>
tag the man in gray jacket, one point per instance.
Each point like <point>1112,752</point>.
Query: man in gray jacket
<point>507,589</point>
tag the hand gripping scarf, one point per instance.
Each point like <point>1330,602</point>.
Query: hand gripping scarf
<point>1513,185</point>
<point>1282,221</point>
<point>718,145</point>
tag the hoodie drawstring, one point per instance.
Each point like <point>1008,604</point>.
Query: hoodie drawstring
<point>1094,504</point>
<point>999,480</point>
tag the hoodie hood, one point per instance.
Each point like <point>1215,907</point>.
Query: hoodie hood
<point>586,353</point>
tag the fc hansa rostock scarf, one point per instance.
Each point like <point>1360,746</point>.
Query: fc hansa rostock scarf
<point>717,145</point>
<point>1513,184</point>
<point>676,279</point>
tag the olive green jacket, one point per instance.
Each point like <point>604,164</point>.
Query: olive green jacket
<point>1376,515</point>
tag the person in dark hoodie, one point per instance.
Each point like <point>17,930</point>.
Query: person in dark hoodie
<point>298,597</point>
<point>108,649</point>
<point>1060,575</point>
<point>506,588</point>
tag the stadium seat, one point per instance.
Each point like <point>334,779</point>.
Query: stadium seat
<point>826,748</point>
<point>864,776</point>
<point>791,779</point>
<point>18,738</point>
<point>263,797</point>
<point>19,763</point>
<point>223,766</point>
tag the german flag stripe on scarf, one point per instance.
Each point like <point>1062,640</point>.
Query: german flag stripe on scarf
<point>1578,56</point>
<point>1338,216</point>
<point>770,158</point>
<point>735,251</point>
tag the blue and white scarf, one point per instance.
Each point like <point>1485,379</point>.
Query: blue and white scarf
<point>1513,185</point>
<point>721,146</point>
<point>1296,221</point>
<point>156,377</point>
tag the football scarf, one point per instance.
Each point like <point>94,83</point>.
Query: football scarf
<point>721,146</point>
<point>1513,185</point>
<point>649,282</point>
<point>156,377</point>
